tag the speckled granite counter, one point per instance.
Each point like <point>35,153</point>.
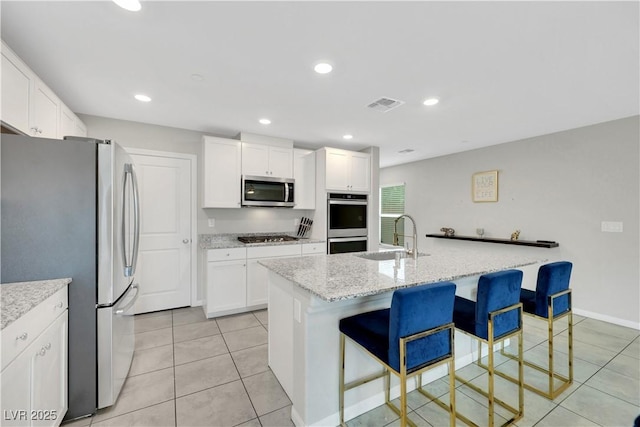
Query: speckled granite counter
<point>345,276</point>
<point>230,240</point>
<point>309,296</point>
<point>16,299</point>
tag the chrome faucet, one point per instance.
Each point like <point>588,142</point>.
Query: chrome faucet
<point>414,251</point>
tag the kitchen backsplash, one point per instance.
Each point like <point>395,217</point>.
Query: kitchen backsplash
<point>252,220</point>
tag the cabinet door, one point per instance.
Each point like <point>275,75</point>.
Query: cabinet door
<point>255,159</point>
<point>49,375</point>
<point>44,113</point>
<point>226,286</point>
<point>221,183</point>
<point>337,170</point>
<point>281,162</point>
<point>67,123</point>
<point>360,172</point>
<point>14,386</point>
<point>16,87</point>
<point>257,276</point>
<point>81,129</point>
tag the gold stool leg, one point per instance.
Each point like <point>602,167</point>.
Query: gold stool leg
<point>342,353</point>
<point>452,393</point>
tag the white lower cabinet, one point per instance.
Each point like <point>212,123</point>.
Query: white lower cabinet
<point>226,281</point>
<point>34,383</point>
<point>257,275</point>
<point>235,280</point>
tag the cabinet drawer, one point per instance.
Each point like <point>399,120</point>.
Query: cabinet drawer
<point>314,248</point>
<point>18,335</point>
<point>273,251</point>
<point>227,254</point>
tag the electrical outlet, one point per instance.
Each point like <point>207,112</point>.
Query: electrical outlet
<point>212,222</point>
<point>611,226</point>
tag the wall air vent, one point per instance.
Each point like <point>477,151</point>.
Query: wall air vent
<point>385,104</point>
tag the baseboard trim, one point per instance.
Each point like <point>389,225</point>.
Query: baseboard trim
<point>608,319</point>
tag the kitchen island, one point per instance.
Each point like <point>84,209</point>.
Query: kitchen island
<point>308,297</point>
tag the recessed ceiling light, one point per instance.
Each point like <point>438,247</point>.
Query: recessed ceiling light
<point>265,121</point>
<point>131,5</point>
<point>197,77</point>
<point>142,98</point>
<point>347,136</point>
<point>406,151</point>
<point>323,68</point>
<point>431,101</point>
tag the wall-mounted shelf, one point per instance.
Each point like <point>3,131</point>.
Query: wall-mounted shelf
<point>535,243</point>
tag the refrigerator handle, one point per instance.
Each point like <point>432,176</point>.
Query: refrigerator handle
<point>130,265</point>
<point>136,221</point>
<point>130,303</point>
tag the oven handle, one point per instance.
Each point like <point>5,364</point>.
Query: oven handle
<point>348,202</point>
<point>347,239</point>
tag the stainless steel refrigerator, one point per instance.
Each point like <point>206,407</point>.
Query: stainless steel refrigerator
<point>70,209</point>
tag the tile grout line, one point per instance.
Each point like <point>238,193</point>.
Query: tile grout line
<point>240,377</point>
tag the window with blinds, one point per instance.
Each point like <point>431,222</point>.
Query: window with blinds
<point>391,206</point>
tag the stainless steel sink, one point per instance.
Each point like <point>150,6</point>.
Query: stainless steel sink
<point>386,256</point>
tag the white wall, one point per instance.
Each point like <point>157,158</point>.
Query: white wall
<point>553,187</point>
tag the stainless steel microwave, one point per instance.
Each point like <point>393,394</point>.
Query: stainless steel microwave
<point>267,191</point>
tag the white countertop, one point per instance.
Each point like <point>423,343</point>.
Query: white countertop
<point>16,299</point>
<point>345,276</point>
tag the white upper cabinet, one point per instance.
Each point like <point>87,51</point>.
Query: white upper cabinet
<point>16,91</point>
<point>221,172</point>
<point>347,170</point>
<point>70,124</point>
<point>45,110</point>
<point>304,173</point>
<point>29,106</point>
<point>267,160</point>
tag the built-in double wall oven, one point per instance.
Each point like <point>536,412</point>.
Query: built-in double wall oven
<point>346,222</point>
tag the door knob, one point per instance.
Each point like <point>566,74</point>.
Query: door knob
<point>185,241</point>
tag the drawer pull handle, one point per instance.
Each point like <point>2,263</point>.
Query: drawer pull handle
<point>48,346</point>
<point>22,336</point>
<point>59,305</point>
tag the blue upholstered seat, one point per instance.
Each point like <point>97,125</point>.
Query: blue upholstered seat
<point>552,279</point>
<point>419,326</point>
<point>413,310</point>
<point>495,316</point>
<point>552,290</point>
<point>495,291</point>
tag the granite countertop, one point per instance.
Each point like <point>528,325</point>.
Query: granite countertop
<point>344,276</point>
<point>230,240</point>
<point>16,299</point>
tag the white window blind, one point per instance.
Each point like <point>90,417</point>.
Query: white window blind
<point>391,206</point>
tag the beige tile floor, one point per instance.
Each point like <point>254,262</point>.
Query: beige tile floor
<point>190,371</point>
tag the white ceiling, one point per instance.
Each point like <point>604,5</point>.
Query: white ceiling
<point>503,70</point>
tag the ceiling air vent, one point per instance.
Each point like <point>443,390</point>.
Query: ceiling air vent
<point>385,104</point>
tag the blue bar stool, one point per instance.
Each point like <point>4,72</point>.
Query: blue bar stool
<point>493,318</point>
<point>550,301</point>
<point>414,335</point>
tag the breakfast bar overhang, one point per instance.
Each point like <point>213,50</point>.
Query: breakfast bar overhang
<point>309,295</point>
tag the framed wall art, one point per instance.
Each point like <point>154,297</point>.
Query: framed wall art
<point>484,186</point>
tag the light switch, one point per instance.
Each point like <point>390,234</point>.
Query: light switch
<point>611,226</point>
<point>212,222</point>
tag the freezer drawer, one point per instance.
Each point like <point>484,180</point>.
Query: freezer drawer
<point>116,341</point>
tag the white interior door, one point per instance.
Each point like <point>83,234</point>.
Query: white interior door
<point>165,255</point>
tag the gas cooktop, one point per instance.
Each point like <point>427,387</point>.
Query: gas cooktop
<point>267,239</point>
